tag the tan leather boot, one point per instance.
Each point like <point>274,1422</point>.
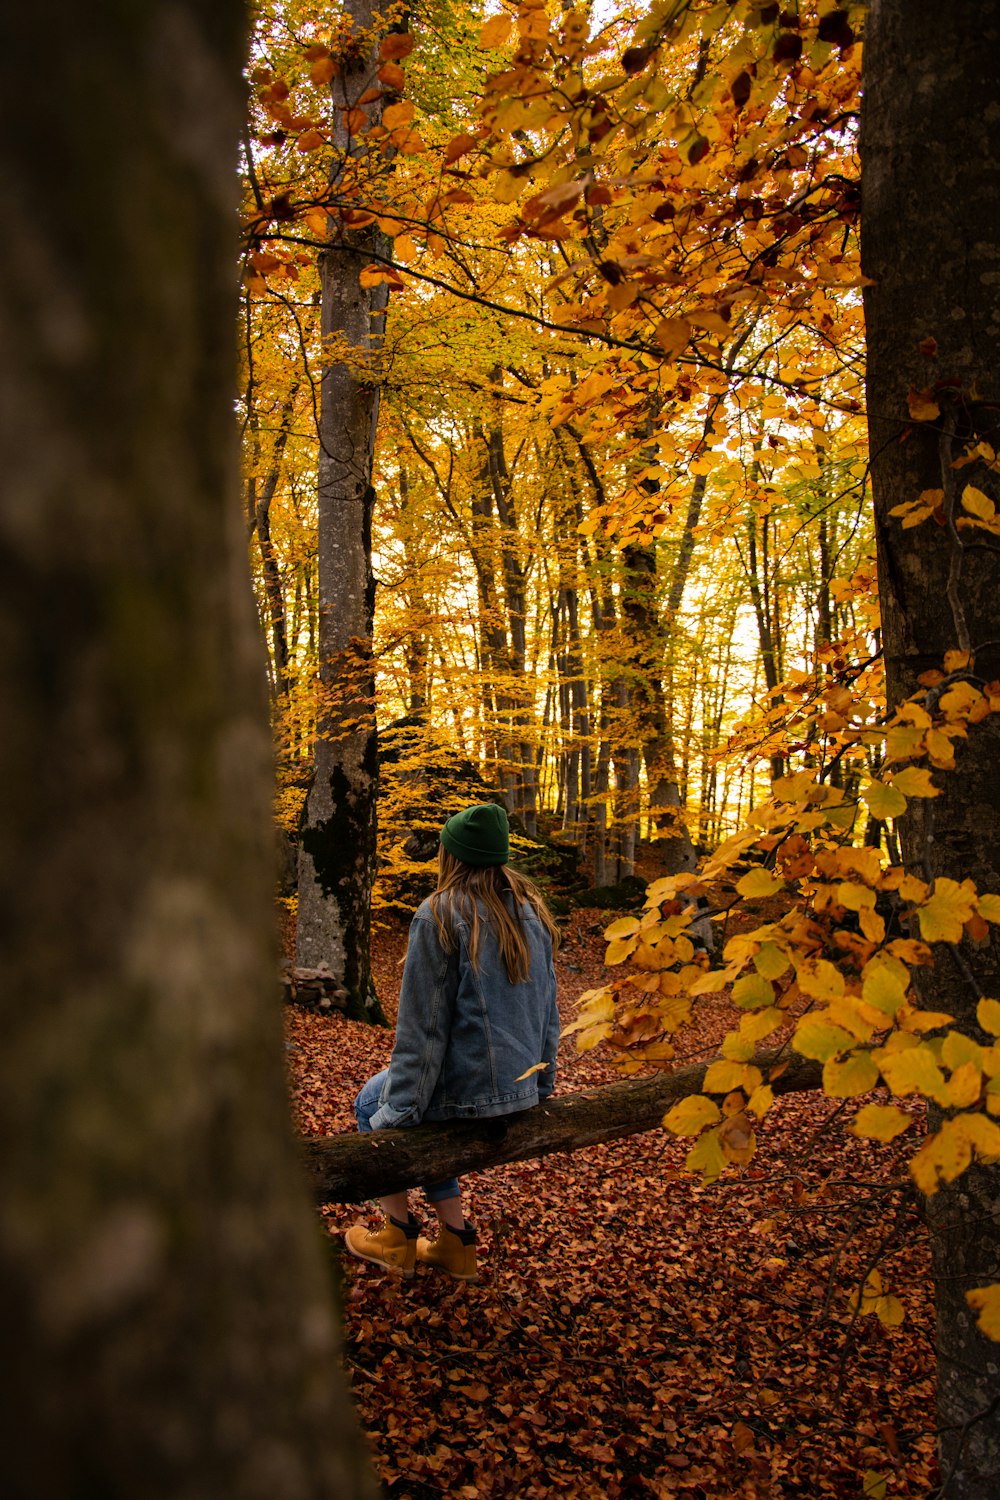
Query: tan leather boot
<point>393,1247</point>
<point>454,1252</point>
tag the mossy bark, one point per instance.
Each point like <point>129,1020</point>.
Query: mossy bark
<point>931,243</point>
<point>168,1327</point>
<point>337,845</point>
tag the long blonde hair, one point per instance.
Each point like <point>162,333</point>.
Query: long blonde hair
<point>464,886</point>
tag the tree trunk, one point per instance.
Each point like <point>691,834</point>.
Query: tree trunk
<point>350,1168</point>
<point>337,845</point>
<point>932,98</point>
<point>167,1322</point>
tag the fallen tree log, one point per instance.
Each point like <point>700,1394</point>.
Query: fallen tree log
<point>350,1168</point>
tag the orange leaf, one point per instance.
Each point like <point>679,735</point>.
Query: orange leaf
<point>322,70</point>
<point>395,46</point>
<point>459,145</point>
<point>923,407</point>
<point>398,114</point>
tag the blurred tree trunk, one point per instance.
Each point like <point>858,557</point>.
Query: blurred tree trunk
<point>167,1321</point>
<point>931,243</point>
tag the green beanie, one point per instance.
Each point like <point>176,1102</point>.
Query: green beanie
<point>478,835</point>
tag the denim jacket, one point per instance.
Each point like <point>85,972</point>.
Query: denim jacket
<point>466,1038</point>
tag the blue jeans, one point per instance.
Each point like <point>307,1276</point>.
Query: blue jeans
<point>365,1106</point>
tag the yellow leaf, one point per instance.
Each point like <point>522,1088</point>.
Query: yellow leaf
<point>759,883</point>
<point>943,916</point>
<point>890,1311</point>
<point>964,1086</point>
<point>985,1300</point>
<point>712,982</point>
<point>940,749</point>
<point>903,741</point>
<point>706,1156</point>
<point>957,1049</point>
<point>978,504</point>
<point>820,980</point>
<point>913,1071</point>
<point>672,334</point>
<point>988,908</point>
<point>881,1122</point>
<point>945,1155</point>
<point>854,896</point>
<point>508,187</point>
<point>857,1074</point>
<point>619,951</point>
<point>884,801</point>
<point>588,1039</point>
<point>691,1115</point>
<point>927,1020</point>
<point>736,1047</point>
<point>884,984</point>
<point>770,962</point>
<point>712,322</point>
<point>988,1011</point>
<point>762,1023</point>
<point>914,782</point>
<point>623,928</point>
<point>535,1068</point>
<point>721,1077</point>
<point>984,1135</point>
<point>872,924</point>
<point>760,1100</point>
<point>864,1300</point>
<point>495,32</point>
<point>752,991</point>
<point>873,1485</point>
<point>814,1039</point>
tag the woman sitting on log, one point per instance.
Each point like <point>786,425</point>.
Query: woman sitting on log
<point>477,1029</point>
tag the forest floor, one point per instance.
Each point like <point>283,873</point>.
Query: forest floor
<point>635,1334</point>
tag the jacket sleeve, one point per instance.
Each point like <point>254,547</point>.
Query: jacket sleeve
<point>426,1001</point>
<point>547,1080</point>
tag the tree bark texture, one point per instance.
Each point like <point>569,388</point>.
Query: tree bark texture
<point>168,1330</point>
<point>337,845</point>
<point>931,243</point>
<point>350,1168</point>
